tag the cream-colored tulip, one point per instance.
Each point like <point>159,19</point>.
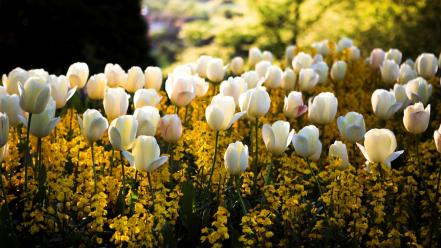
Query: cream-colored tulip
<point>39,73</point>
<point>255,102</point>
<point>322,47</point>
<point>262,68</point>
<point>293,105</point>
<point>93,125</point>
<point>215,70</point>
<point>96,86</point>
<point>338,70</point>
<point>418,90</point>
<point>376,58</point>
<point>60,91</point>
<point>389,71</point>
<point>201,65</point>
<point>10,104</point>
<point>416,118</point>
<point>289,80</point>
<point>237,65</point>
<point>115,75</point>
<point>322,69</point>
<point>146,97</point>
<point>251,78</point>
<point>201,86</point>
<point>153,78</point>
<point>220,113</point>
<point>267,55</point>
<point>308,79</point>
<point>77,75</point>
<point>233,87</point>
<point>394,54</point>
<point>43,123</point>
<point>273,77</point>
<point>145,154</point>
<point>354,53</point>
<point>236,158</point>
<point>343,43</point>
<point>399,92</point>
<point>148,119</point>
<point>11,81</point>
<point>34,95</point>
<point>351,126</point>
<point>301,61</point>
<point>277,137</point>
<point>426,65</point>
<point>170,128</point>
<point>437,138</point>
<point>379,146</point>
<point>384,104</point>
<point>254,56</point>
<point>135,79</point>
<point>339,150</point>
<point>180,89</point>
<point>4,152</point>
<point>4,129</point>
<point>322,108</point>
<point>122,132</point>
<point>407,73</point>
<point>116,102</point>
<point>307,144</point>
<point>290,53</point>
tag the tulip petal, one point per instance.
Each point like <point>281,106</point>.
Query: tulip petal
<point>20,89</point>
<point>392,157</point>
<point>115,136</point>
<point>23,120</point>
<point>53,123</point>
<point>70,93</point>
<point>236,117</point>
<point>158,162</point>
<point>268,135</point>
<point>394,108</point>
<point>301,110</point>
<point>80,122</point>
<point>290,136</point>
<point>129,157</point>
<point>364,151</point>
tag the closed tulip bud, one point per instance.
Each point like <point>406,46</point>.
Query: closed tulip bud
<point>16,76</point>
<point>135,79</point>
<point>92,125</point>
<point>308,79</point>
<point>395,55</point>
<point>321,47</point>
<point>289,79</point>
<point>262,68</point>
<point>148,119</point>
<point>77,75</point>
<point>233,87</point>
<point>322,69</point>
<point>145,154</point>
<point>301,61</point>
<point>255,102</point>
<point>407,73</point>
<point>34,95</point>
<point>4,152</point>
<point>122,132</point>
<point>273,77</point>
<point>290,53</point>
<point>39,73</point>
<point>43,123</point>
<point>418,90</point>
<point>60,91</point>
<point>389,71</point>
<point>236,158</point>
<point>354,53</point>
<point>4,129</point>
<point>426,65</point>
<point>115,75</point>
<point>220,113</point>
<point>339,150</point>
<point>153,78</point>
<point>10,104</point>
<point>338,70</point>
<point>96,86</point>
<point>307,144</point>
<point>376,58</point>
<point>343,43</point>
<point>201,87</point>
<point>267,55</point>
<point>293,105</point>
<point>437,138</point>
<point>215,70</point>
<point>351,126</point>
<point>236,65</point>
<point>180,89</point>
<point>384,104</point>
<point>254,56</point>
<point>379,146</point>
<point>201,65</point>
<point>116,102</point>
<point>277,137</point>
<point>416,118</point>
<point>399,92</point>
<point>146,97</point>
<point>251,78</point>
<point>170,128</point>
<point>322,108</point>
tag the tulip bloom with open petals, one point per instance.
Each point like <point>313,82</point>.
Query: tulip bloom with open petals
<point>170,128</point>
<point>60,91</point>
<point>92,125</point>
<point>11,81</point>
<point>233,87</point>
<point>307,144</point>
<point>34,95</point>
<point>416,118</point>
<point>236,158</point>
<point>418,90</point>
<point>255,102</point>
<point>384,104</point>
<point>277,137</point>
<point>379,146</point>
<point>146,97</point>
<point>77,75</point>
<point>145,155</point>
<point>116,102</point>
<point>322,108</point>
<point>273,77</point>
<point>122,132</point>
<point>153,78</point>
<point>293,105</point>
<point>351,126</point>
<point>220,113</point>
<point>437,138</point>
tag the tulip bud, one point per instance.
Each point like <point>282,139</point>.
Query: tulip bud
<point>290,53</point>
<point>376,58</point>
<point>180,89</point>
<point>338,70</point>
<point>277,137</point>
<point>251,78</point>
<point>77,75</point>
<point>389,71</point>
<point>236,65</point>
<point>148,119</point>
<point>343,43</point>
<point>255,102</point>
<point>407,73</point>
<point>115,75</point>
<point>321,47</point>
<point>16,76</point>
<point>146,97</point>
<point>34,95</point>
<point>416,118</point>
<point>354,53</point>
<point>322,108</point>
<point>10,104</point>
<point>254,56</point>
<point>93,125</point>
<point>60,91</point>
<point>307,144</point>
<point>273,77</point>
<point>308,79</point>
<point>379,146</point>
<point>418,90</point>
<point>293,105</point>
<point>116,102</point>
<point>426,65</point>
<point>4,152</point>
<point>289,80</point>
<point>395,55</point>
<point>201,87</point>
<point>153,78</point>
<point>96,86</point>
<point>4,129</point>
<point>43,123</point>
<point>170,128</point>
<point>39,73</point>
<point>145,154</point>
<point>351,126</point>
<point>233,87</point>
<point>338,150</point>
<point>262,67</point>
<point>384,104</point>
<point>122,132</point>
<point>135,79</point>
<point>301,61</point>
<point>399,92</point>
<point>220,113</point>
<point>215,70</point>
<point>322,69</point>
<point>201,65</point>
<point>267,55</point>
<point>437,138</point>
<point>236,158</point>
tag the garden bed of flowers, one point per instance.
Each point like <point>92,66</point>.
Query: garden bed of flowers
<point>324,147</point>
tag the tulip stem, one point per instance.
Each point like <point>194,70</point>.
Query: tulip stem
<point>122,172</point>
<point>317,181</point>
<point>152,192</point>
<point>94,169</point>
<point>214,160</point>
<point>28,153</point>
<point>256,155</point>
<point>242,203</point>
<point>269,172</point>
<point>112,161</point>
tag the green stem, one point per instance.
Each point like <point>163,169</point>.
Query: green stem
<point>112,161</point>
<point>214,160</point>
<point>256,155</point>
<point>317,181</point>
<point>94,169</point>
<point>151,190</point>
<point>28,153</point>
<point>242,203</point>
<point>269,173</point>
<point>122,172</point>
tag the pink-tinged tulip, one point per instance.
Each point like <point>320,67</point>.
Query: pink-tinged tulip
<point>416,118</point>
<point>293,105</point>
<point>170,128</point>
<point>376,58</point>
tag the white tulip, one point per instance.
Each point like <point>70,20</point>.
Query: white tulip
<point>4,129</point>
<point>201,65</point>
<point>220,113</point>
<point>170,128</point>
<point>233,87</point>
<point>255,102</point>
<point>122,132</point>
<point>293,105</point>
<point>115,75</point>
<point>145,154</point>
<point>308,79</point>
<point>354,53</point>
<point>407,73</point>
<point>201,86</point>
<point>416,118</point>
<point>277,137</point>
<point>289,80</point>
<point>343,43</point>
<point>60,91</point>
<point>394,54</point>
<point>251,78</point>
<point>339,150</point>
<point>34,95</point>
<point>321,47</point>
<point>180,89</point>
<point>92,125</point>
<point>307,144</point>
<point>96,86</point>
<point>290,53</point>
<point>418,90</point>
<point>237,65</point>
<point>148,120</point>
<point>301,61</point>
<point>267,55</point>
<point>322,108</point>
<point>10,104</point>
<point>77,75</point>
<point>11,81</point>
<point>389,71</point>
<point>135,79</point>
<point>376,58</point>
<point>38,73</point>
<point>338,70</point>
<point>236,158</point>
<point>351,126</point>
<point>437,138</point>
<point>116,102</point>
<point>273,77</point>
<point>426,65</point>
<point>399,92</point>
<point>153,78</point>
<point>322,69</point>
<point>384,104</point>
<point>215,70</point>
<point>43,123</point>
<point>262,67</point>
<point>254,56</point>
<point>146,97</point>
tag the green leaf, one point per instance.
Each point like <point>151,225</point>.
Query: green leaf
<point>168,233</point>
